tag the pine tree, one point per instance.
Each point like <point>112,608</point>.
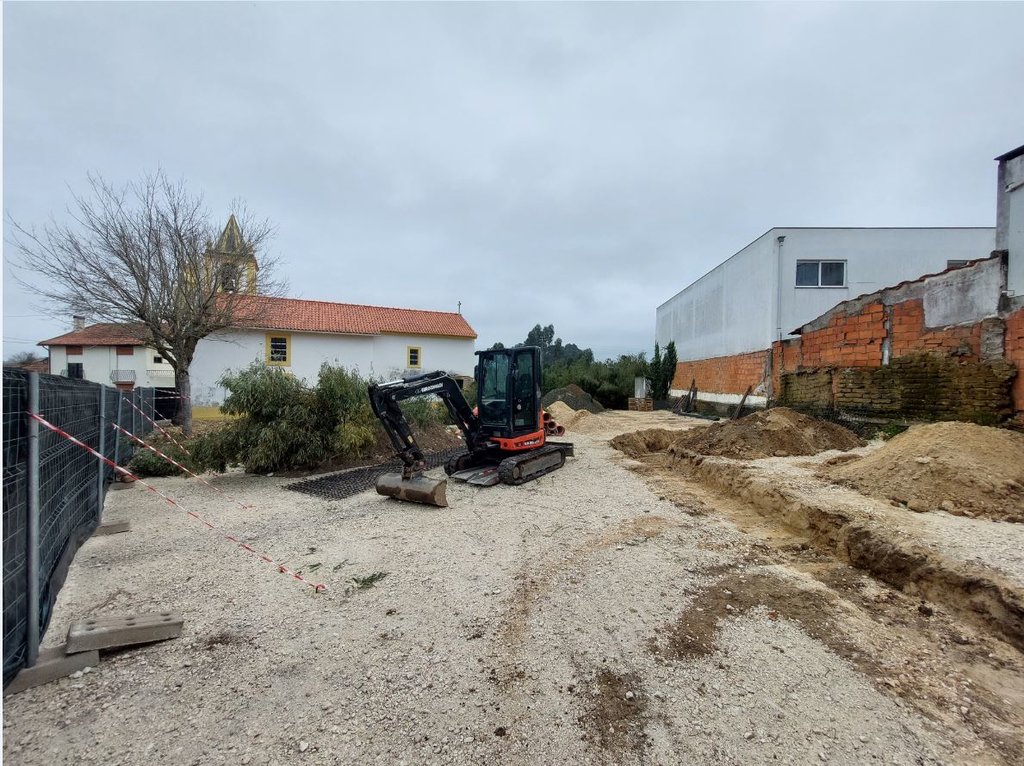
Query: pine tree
<point>668,367</point>
<point>656,375</point>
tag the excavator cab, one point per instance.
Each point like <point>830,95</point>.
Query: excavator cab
<point>505,435</point>
<point>508,390</point>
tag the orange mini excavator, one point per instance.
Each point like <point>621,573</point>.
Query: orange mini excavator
<point>506,437</point>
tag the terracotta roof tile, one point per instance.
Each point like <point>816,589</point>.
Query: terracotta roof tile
<point>348,318</point>
<point>40,365</point>
<point>103,334</point>
<point>257,311</point>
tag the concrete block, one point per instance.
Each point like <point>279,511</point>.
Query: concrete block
<point>114,632</point>
<point>112,528</point>
<point>53,663</point>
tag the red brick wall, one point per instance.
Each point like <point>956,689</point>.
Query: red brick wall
<point>1015,354</point>
<point>855,341</point>
<point>848,341</point>
<point>910,336</point>
<point>722,374</point>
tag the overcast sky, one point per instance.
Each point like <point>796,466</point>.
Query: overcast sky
<point>568,164</point>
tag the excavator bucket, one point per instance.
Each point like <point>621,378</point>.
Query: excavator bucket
<point>418,489</point>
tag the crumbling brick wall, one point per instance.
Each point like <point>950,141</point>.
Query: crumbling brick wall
<point>723,374</point>
<point>878,353</point>
<point>909,334</point>
<point>849,340</point>
<point>925,386</point>
<point>1013,344</point>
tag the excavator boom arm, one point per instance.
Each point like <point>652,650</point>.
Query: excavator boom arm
<point>385,398</point>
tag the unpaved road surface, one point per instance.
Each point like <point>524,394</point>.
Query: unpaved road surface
<point>577,619</point>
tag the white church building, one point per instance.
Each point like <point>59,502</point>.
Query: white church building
<point>294,334</point>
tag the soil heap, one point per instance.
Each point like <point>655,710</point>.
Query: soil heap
<point>565,415</point>
<point>574,396</point>
<point>961,468</point>
<point>778,432</point>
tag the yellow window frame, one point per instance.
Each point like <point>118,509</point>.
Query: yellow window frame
<point>287,349</point>
<point>408,357</point>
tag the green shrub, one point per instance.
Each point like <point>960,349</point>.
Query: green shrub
<point>281,423</point>
<point>145,463</point>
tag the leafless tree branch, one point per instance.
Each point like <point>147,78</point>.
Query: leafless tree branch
<point>141,255</point>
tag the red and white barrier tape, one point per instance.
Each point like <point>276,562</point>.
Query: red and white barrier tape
<point>175,463</point>
<point>158,428</point>
<point>168,395</point>
<point>317,587</point>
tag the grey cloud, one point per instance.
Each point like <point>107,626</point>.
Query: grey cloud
<point>568,164</point>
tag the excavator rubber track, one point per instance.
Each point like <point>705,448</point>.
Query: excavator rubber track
<point>528,466</point>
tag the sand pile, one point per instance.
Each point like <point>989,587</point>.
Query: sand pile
<point>777,432</point>
<point>572,395</point>
<point>565,415</point>
<point>960,468</point>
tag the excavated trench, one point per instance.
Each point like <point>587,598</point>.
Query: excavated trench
<point>935,618</point>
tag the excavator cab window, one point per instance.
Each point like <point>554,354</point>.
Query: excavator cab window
<point>494,398</point>
<point>524,398</point>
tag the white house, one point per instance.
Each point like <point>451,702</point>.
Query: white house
<point>294,334</point>
<point>109,354</point>
<point>300,335</point>
<point>724,324</point>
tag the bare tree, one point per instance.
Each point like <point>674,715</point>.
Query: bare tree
<point>19,358</point>
<point>146,255</point>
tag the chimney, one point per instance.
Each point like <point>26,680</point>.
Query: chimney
<point>79,321</point>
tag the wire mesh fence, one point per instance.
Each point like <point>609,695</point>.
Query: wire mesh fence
<point>53,490</point>
<point>15,494</point>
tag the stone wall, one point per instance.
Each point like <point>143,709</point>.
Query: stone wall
<point>921,386</point>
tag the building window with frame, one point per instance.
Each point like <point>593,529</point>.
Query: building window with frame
<point>279,349</point>
<point>73,350</point>
<point>126,350</point>
<point>76,371</point>
<point>821,273</point>
<point>413,357</point>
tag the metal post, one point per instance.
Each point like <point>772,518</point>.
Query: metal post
<point>33,521</point>
<point>117,434</point>
<point>100,465</point>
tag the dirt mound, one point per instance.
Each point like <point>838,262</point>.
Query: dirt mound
<point>574,396</point>
<point>640,443</point>
<point>961,468</point>
<point>777,432</point>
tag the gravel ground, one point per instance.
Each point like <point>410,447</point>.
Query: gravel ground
<point>578,618</point>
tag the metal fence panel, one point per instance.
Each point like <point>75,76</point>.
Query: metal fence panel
<point>72,486</point>
<point>15,445</point>
<point>69,495</point>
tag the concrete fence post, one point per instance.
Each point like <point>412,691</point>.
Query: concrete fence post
<point>101,466</point>
<point>32,551</point>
